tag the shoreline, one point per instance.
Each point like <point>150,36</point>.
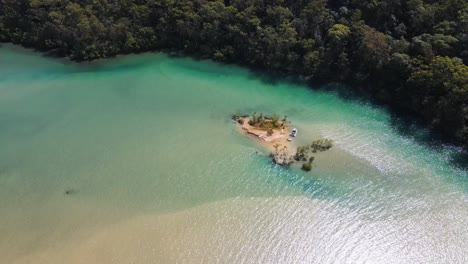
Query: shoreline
<point>275,136</point>
<point>401,112</point>
<point>278,137</point>
<point>279,143</point>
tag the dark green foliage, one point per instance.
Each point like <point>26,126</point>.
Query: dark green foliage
<point>266,122</point>
<point>302,153</point>
<point>404,53</point>
<point>321,145</point>
<point>307,166</point>
<point>253,120</point>
<point>274,121</point>
<point>235,117</point>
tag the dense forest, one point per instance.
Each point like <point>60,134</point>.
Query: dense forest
<point>411,54</point>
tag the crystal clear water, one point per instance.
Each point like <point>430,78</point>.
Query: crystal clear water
<point>157,172</point>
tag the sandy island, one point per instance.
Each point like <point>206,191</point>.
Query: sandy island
<point>280,136</point>
<point>275,136</point>
<point>278,141</point>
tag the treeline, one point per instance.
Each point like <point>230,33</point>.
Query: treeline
<point>408,53</point>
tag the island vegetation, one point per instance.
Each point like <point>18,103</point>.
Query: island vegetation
<point>410,54</point>
<point>302,153</point>
<point>272,132</point>
<point>275,135</point>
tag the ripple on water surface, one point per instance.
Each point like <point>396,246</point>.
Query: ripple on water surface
<point>136,160</point>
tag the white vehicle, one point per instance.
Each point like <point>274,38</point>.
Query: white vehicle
<point>294,132</point>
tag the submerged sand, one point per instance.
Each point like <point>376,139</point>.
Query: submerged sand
<point>259,230</point>
<point>187,236</point>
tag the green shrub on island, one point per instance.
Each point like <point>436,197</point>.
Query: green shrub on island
<point>321,145</point>
<point>253,119</point>
<point>240,121</point>
<point>301,153</point>
<point>307,166</point>
<point>261,118</point>
<point>266,122</point>
<point>274,121</point>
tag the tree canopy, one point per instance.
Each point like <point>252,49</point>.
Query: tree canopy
<point>411,54</point>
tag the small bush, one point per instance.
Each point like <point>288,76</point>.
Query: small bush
<point>274,121</point>
<point>301,153</point>
<point>253,119</point>
<point>306,166</point>
<point>321,145</point>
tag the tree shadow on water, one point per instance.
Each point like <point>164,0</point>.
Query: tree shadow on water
<point>413,127</point>
<point>406,124</point>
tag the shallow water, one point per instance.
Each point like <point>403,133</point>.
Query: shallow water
<point>157,172</point>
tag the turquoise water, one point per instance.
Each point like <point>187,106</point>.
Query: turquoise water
<point>158,172</point>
